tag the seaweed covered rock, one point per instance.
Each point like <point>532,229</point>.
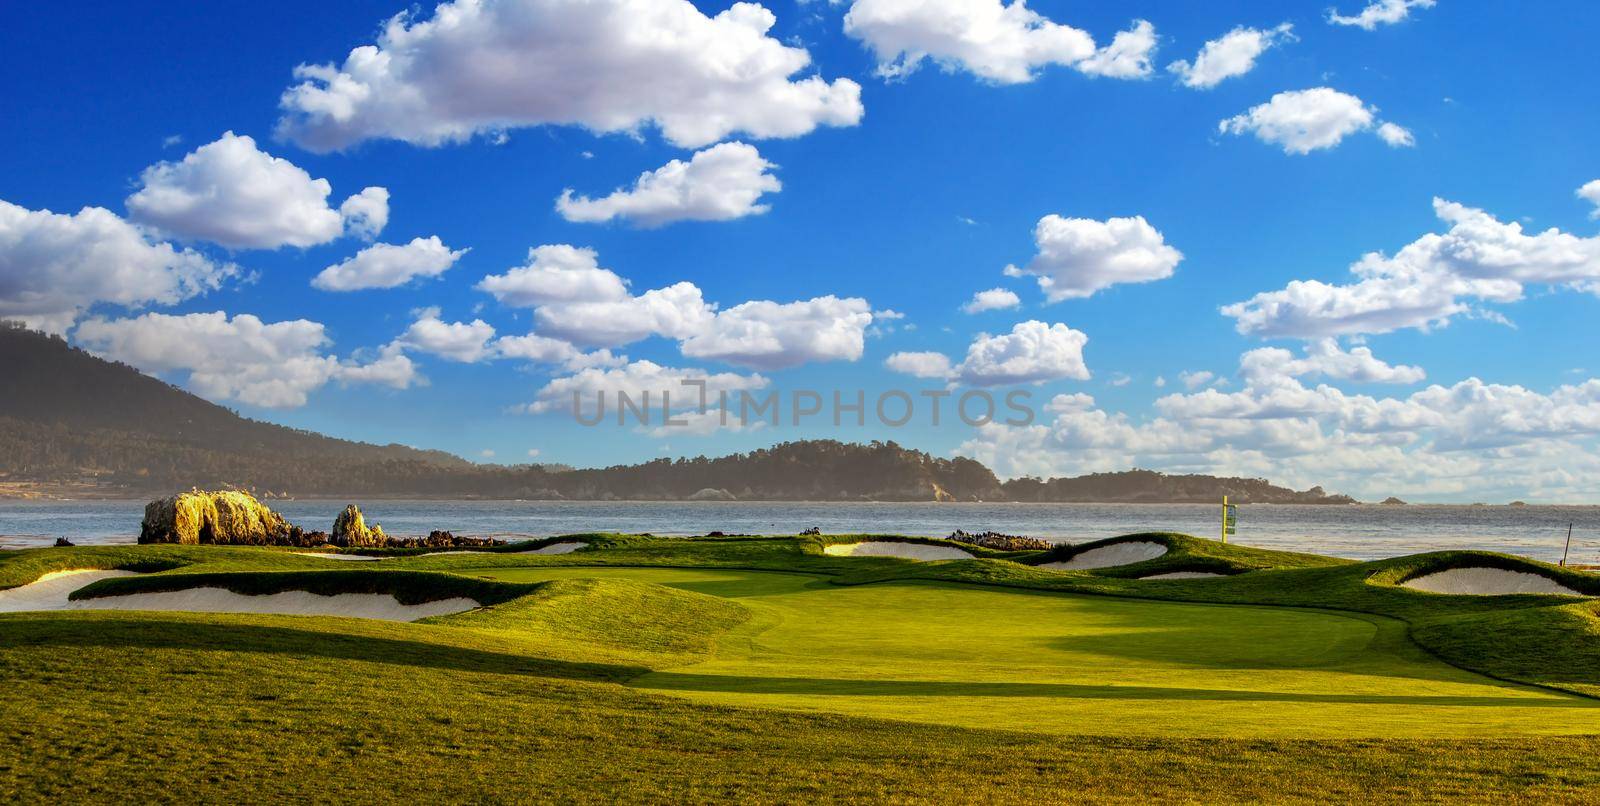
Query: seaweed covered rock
<point>1001,542</point>
<point>226,517</point>
<point>350,530</point>
<point>440,539</point>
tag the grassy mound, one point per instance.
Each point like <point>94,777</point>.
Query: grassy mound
<point>613,619</point>
<point>1400,570</point>
<point>1186,553</point>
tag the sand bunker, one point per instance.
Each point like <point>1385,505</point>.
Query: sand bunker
<point>888,548</point>
<point>564,547</point>
<point>288,603</point>
<point>1487,582</point>
<point>1185,575</point>
<point>1125,553</point>
<point>50,592</point>
<point>328,555</point>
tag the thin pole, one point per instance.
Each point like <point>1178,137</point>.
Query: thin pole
<point>1224,518</point>
<point>1569,545</point>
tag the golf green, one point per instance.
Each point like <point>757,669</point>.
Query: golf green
<point>986,657</point>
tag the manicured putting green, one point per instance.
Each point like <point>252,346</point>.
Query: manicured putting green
<point>1063,664</point>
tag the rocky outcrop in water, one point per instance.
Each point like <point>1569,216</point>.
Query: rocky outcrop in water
<point>1001,542</point>
<point>226,517</point>
<point>440,539</point>
<point>350,530</point>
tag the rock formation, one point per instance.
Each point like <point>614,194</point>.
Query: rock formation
<point>350,530</point>
<point>1001,542</point>
<point>227,517</point>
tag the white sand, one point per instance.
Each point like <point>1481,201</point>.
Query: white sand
<point>1487,582</point>
<point>1126,553</point>
<point>442,553</point>
<point>564,547</point>
<point>328,555</point>
<point>50,592</point>
<point>289,603</point>
<point>889,548</point>
<point>1184,575</point>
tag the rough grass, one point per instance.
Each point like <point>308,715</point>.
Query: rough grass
<point>159,707</point>
<point>523,702</point>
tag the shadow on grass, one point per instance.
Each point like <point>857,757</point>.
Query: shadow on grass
<point>679,681</point>
<point>156,632</point>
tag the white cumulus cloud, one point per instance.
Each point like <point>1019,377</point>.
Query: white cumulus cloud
<point>994,299</point>
<point>232,193</point>
<point>556,273</point>
<point>1379,12</point>
<point>1480,259</point>
<point>1591,192</point>
<point>578,301</point>
<point>54,266</point>
<point>366,213</point>
<point>1079,256</point>
<point>721,183</point>
<point>1233,54</point>
<point>1128,55</point>
<point>486,66</point>
<point>666,387</point>
<point>273,365</point>
<point>1003,43</point>
<point>1303,121</point>
<point>465,342</point>
<point>920,365</point>
<point>1396,135</point>
<point>675,312</point>
<point>1033,352</point>
<point>1325,358</point>
<point>768,335</point>
<point>1471,438</point>
<point>388,265</point>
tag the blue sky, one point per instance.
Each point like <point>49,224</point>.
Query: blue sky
<point>909,194</point>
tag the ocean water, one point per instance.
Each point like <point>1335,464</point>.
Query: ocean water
<point>1358,532</point>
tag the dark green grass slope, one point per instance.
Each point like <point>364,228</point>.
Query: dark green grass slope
<point>104,708</point>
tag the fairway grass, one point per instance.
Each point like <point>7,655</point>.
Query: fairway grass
<point>983,657</point>
<point>373,712</point>
<point>765,670</point>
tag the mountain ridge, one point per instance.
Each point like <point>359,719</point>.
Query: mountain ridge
<point>81,426</point>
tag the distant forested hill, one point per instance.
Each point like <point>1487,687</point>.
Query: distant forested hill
<point>1148,486</point>
<point>66,415</point>
<point>75,424</point>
